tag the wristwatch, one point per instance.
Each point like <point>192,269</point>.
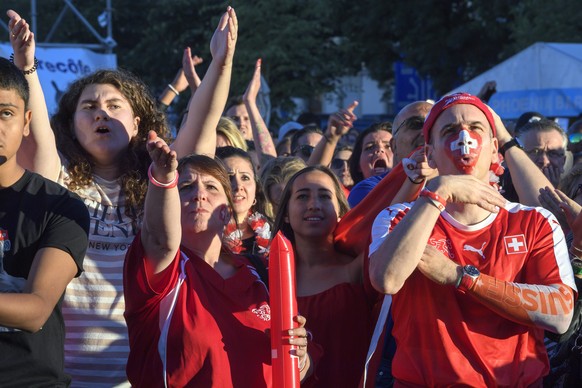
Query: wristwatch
<point>468,278</point>
<point>514,142</point>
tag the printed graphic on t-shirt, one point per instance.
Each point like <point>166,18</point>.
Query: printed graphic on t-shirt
<point>478,251</point>
<point>263,312</point>
<point>444,245</point>
<point>515,244</point>
<point>111,230</point>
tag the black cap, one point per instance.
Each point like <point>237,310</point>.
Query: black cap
<point>527,117</point>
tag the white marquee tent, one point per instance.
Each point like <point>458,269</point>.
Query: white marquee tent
<point>545,77</point>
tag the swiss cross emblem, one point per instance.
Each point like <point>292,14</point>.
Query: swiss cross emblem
<point>515,244</point>
<point>464,143</point>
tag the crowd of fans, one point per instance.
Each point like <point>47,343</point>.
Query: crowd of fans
<point>442,248</point>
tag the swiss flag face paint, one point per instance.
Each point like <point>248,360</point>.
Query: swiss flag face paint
<point>464,150</point>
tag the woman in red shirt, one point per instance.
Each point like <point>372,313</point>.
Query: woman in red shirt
<point>197,314</point>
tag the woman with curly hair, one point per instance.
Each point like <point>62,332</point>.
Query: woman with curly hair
<point>97,149</point>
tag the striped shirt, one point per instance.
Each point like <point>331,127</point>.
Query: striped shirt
<point>96,342</point>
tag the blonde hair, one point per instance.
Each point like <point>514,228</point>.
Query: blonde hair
<point>278,170</point>
<point>228,128</point>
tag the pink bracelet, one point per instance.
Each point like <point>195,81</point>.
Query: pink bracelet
<point>170,185</point>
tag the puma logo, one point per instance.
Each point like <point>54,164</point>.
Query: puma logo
<point>469,248</point>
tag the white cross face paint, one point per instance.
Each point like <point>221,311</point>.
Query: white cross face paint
<point>464,150</point>
<point>464,143</point>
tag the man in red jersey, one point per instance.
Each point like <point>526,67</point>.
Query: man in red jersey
<point>474,279</point>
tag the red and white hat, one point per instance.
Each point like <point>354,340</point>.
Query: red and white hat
<point>453,99</point>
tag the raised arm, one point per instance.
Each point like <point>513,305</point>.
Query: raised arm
<point>261,136</point>
<point>189,63</point>
<point>38,151</point>
<point>198,133</point>
<point>526,176</point>
<point>180,82</point>
<point>338,125</point>
<point>161,231</point>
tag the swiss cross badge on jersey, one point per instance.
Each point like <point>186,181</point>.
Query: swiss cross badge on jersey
<point>515,244</point>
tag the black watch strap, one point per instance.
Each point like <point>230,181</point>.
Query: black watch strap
<point>512,143</point>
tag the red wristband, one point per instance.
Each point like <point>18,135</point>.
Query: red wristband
<point>436,199</point>
<point>170,185</point>
<point>467,283</point>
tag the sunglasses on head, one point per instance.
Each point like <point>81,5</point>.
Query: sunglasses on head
<point>413,123</point>
<point>336,164</point>
<point>305,150</point>
<point>575,138</point>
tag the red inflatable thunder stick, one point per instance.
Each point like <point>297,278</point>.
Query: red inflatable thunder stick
<point>283,309</point>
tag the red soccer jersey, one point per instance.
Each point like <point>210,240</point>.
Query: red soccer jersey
<point>193,327</point>
<point>446,337</point>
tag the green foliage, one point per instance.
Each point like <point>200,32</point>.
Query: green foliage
<point>306,45</point>
<point>543,21</point>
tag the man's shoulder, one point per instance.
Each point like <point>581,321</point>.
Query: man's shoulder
<point>48,196</point>
<point>37,184</point>
<point>521,210</point>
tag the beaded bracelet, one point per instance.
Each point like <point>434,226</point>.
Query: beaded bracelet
<point>170,185</point>
<point>173,89</point>
<point>434,198</point>
<point>29,71</point>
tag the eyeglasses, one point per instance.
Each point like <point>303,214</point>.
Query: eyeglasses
<point>304,150</point>
<point>551,154</point>
<point>336,164</point>
<point>414,123</point>
<point>575,138</point>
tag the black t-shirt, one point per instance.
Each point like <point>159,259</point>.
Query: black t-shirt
<point>36,213</point>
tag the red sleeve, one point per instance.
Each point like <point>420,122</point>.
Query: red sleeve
<point>140,287</point>
<point>352,234</point>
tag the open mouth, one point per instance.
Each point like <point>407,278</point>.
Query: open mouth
<point>466,162</point>
<point>380,166</point>
<point>102,130</point>
<point>313,218</point>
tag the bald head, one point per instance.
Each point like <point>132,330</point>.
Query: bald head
<point>417,108</point>
<point>407,129</point>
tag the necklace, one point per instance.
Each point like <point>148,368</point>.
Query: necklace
<point>261,230</point>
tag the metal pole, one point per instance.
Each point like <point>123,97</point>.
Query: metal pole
<point>33,17</point>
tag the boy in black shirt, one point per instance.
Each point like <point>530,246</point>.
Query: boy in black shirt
<point>43,238</point>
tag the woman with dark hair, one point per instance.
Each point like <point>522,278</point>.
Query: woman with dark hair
<point>197,314</point>
<point>372,154</point>
<point>97,150</point>
<point>333,289</point>
<point>249,230</point>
